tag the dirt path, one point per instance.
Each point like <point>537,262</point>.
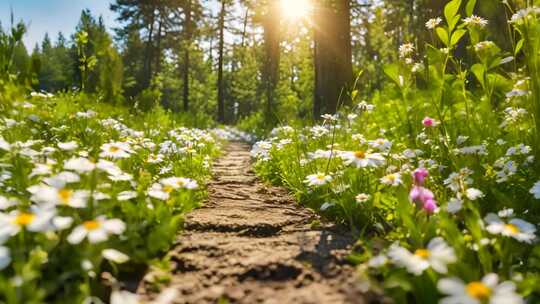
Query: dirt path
<point>252,243</point>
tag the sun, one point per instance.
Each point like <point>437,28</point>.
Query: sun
<point>296,9</point>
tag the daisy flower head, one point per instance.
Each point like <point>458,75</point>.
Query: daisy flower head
<point>318,179</point>
<point>79,165</point>
<point>380,144</point>
<point>362,198</point>
<point>61,196</point>
<point>160,191</point>
<point>97,230</point>
<point>115,150</point>
<point>474,20</point>
<point>436,255</point>
<point>68,146</point>
<point>406,49</point>
<point>487,290</point>
<point>12,223</point>
<point>363,159</point>
<point>392,179</point>
<point>180,182</point>
<point>518,229</point>
<point>433,23</point>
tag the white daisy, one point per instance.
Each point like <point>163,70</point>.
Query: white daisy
<point>126,195</point>
<point>433,23</point>
<point>380,144</point>
<point>59,196</point>
<point>362,198</point>
<point>474,194</point>
<point>36,221</point>
<point>516,228</point>
<point>363,159</point>
<point>68,146</point>
<point>180,182</point>
<point>318,179</point>
<point>115,150</point>
<point>80,165</point>
<point>160,192</point>
<point>392,179</point>
<point>437,255</point>
<point>97,230</point>
<point>487,291</point>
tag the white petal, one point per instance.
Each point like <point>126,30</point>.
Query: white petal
<point>77,235</point>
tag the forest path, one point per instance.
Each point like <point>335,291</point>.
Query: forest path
<point>251,243</point>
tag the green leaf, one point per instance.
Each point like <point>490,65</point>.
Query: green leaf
<point>469,9</point>
<point>451,9</point>
<point>456,36</point>
<point>479,71</point>
<point>519,46</point>
<point>392,71</point>
<point>452,24</point>
<point>443,35</point>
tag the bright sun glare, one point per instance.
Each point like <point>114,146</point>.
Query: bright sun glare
<point>296,9</point>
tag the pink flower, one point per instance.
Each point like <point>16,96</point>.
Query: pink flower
<point>419,176</point>
<point>424,198</point>
<point>420,194</point>
<point>430,206</point>
<point>429,122</point>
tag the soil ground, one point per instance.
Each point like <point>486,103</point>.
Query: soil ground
<point>252,243</point>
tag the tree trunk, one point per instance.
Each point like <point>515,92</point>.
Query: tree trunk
<point>188,29</point>
<point>272,58</point>
<point>148,52</point>
<point>333,57</point>
<point>158,48</point>
<point>220,84</point>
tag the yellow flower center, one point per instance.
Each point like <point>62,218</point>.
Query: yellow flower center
<point>321,176</point>
<point>65,195</point>
<point>423,253</point>
<point>114,149</point>
<point>380,141</point>
<point>91,225</point>
<point>180,183</point>
<point>360,154</point>
<point>391,177</point>
<point>513,229</point>
<point>24,219</point>
<point>168,189</point>
<point>478,290</point>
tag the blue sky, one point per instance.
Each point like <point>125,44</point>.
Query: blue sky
<point>52,16</point>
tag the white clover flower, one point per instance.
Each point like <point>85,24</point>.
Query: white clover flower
<point>488,291</point>
<point>318,179</point>
<point>97,230</point>
<point>437,255</point>
<point>516,228</point>
<point>433,23</point>
<point>362,159</point>
<point>80,165</point>
<point>392,179</point>
<point>68,146</point>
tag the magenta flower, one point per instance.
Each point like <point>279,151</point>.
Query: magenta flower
<point>430,206</point>
<point>429,122</point>
<point>420,176</point>
<point>424,198</point>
